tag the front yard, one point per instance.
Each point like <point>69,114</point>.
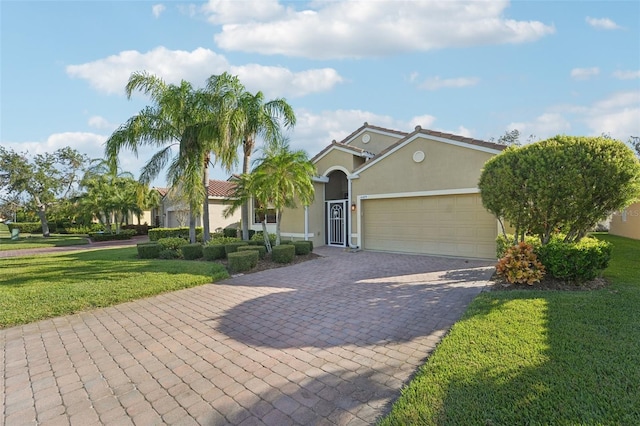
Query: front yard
<point>44,286</point>
<point>537,357</point>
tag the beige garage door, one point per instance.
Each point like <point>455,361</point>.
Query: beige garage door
<point>452,225</point>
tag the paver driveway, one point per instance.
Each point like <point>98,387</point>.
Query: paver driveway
<point>329,341</point>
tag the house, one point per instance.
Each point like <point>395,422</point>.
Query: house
<point>383,189</point>
<point>174,211</point>
<point>627,222</point>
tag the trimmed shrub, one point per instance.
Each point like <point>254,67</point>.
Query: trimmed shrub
<point>219,272</point>
<point>520,265</point>
<point>233,247</point>
<point>30,227</point>
<point>230,232</point>
<point>502,243</point>
<point>149,250</point>
<point>241,261</point>
<point>576,262</point>
<point>123,235</point>
<point>213,252</point>
<point>258,236</point>
<point>192,251</point>
<point>302,247</point>
<point>262,250</point>
<point>140,229</point>
<point>223,240</point>
<point>283,253</point>
<point>157,233</point>
<point>169,254</point>
<point>172,243</point>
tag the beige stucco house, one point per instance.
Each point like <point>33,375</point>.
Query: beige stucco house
<point>383,189</point>
<point>627,222</point>
<point>174,212</point>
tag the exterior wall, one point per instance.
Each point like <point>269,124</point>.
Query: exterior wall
<point>333,159</point>
<point>216,216</point>
<point>217,220</point>
<point>627,222</point>
<point>377,142</point>
<point>445,166</point>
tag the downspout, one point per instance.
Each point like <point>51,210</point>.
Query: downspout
<point>306,223</point>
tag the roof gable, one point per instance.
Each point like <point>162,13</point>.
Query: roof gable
<point>442,137</point>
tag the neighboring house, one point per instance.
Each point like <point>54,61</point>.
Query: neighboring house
<point>174,211</point>
<point>627,222</point>
<point>382,189</point>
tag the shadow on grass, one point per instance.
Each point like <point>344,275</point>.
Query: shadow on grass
<point>555,358</point>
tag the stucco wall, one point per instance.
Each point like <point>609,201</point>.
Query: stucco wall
<point>445,166</point>
<point>377,142</point>
<point>334,158</point>
<point>627,223</point>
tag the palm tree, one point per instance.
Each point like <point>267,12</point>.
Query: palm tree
<point>281,177</point>
<point>245,117</point>
<point>176,118</point>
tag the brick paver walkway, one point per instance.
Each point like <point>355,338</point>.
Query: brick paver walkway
<point>329,341</point>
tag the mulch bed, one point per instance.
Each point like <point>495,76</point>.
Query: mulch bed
<point>499,284</point>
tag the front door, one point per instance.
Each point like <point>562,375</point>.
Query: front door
<point>337,223</point>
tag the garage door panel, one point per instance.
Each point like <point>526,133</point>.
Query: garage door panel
<point>455,225</point>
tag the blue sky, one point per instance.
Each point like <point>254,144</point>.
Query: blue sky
<point>474,68</point>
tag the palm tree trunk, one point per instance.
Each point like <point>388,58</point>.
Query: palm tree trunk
<point>206,227</point>
<point>278,219</point>
<point>192,226</point>
<point>265,235</point>
<point>43,218</point>
<point>244,211</point>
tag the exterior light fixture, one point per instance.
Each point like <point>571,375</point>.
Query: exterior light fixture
<point>353,207</point>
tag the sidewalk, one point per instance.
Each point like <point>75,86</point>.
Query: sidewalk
<point>91,246</point>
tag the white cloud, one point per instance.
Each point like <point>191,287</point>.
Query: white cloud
<point>626,75</point>
<point>111,74</point>
<point>435,83</point>
<point>616,115</point>
<point>352,29</point>
<point>157,9</point>
<point>584,73</point>
<point>602,23</point>
<point>99,122</point>
<point>85,142</point>
<point>543,126</point>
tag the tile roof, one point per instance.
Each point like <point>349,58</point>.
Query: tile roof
<point>220,188</point>
<point>162,191</point>
<point>359,151</point>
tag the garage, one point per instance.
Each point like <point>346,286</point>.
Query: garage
<point>450,225</point>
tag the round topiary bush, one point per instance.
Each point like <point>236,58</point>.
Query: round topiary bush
<point>233,247</point>
<point>148,250</point>
<point>241,261</point>
<point>192,251</point>
<point>169,254</point>
<point>283,253</point>
<point>302,247</point>
<point>213,252</point>
<point>172,243</point>
<point>262,250</point>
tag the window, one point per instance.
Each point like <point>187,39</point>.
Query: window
<point>258,213</point>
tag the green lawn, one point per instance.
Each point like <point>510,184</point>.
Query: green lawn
<point>29,241</point>
<point>33,288</point>
<point>537,357</point>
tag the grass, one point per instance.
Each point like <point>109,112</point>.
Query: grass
<point>537,357</point>
<point>29,241</point>
<point>38,287</point>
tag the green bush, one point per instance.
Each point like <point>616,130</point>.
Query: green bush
<point>192,251</point>
<point>241,261</point>
<point>157,233</point>
<point>262,250</point>
<point>502,243</point>
<point>233,247</point>
<point>169,254</point>
<point>223,240</point>
<point>576,262</point>
<point>123,235</point>
<point>213,252</point>
<point>283,253</point>
<point>140,229</point>
<point>30,227</point>
<point>172,243</point>
<point>302,247</point>
<point>230,232</point>
<point>149,250</point>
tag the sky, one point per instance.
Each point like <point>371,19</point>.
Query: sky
<point>472,68</point>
